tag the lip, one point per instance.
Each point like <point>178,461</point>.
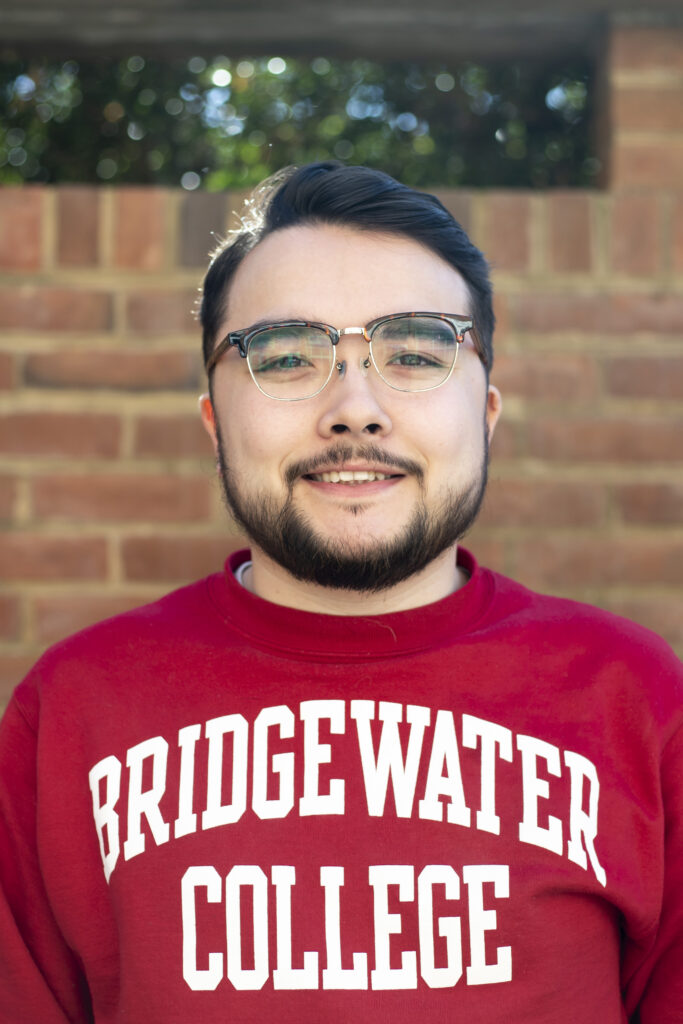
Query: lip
<point>356,467</point>
<point>354,489</point>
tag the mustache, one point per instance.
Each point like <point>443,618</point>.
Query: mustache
<point>341,453</point>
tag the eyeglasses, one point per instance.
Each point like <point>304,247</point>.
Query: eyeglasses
<point>291,360</point>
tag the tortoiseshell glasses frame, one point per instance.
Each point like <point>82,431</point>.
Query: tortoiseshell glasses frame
<point>243,338</point>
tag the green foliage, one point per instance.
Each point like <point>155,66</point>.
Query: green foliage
<point>220,123</point>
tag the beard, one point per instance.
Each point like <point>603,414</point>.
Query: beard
<point>286,535</point>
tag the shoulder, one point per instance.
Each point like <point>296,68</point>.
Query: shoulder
<point>150,638</point>
<point>576,621</point>
<point>578,640</point>
<point>187,605</point>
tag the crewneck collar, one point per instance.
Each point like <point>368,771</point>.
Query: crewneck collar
<point>347,637</point>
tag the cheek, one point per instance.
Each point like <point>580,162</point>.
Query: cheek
<point>457,417</point>
<point>258,439</point>
<point>453,435</point>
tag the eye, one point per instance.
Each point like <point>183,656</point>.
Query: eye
<point>290,360</point>
<point>286,361</point>
<point>412,359</point>
<point>414,353</point>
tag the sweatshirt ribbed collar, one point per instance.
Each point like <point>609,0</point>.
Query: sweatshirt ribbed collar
<point>340,637</point>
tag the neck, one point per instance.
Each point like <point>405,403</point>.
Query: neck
<point>271,582</point>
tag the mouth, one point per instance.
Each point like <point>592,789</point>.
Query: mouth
<point>344,468</point>
<point>348,476</point>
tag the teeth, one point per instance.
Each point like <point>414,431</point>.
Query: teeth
<point>345,476</point>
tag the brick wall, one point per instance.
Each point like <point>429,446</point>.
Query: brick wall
<point>107,492</point>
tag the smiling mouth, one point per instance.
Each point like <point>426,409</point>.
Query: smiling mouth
<point>344,476</point>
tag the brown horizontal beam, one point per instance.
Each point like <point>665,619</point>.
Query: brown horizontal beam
<point>382,32</point>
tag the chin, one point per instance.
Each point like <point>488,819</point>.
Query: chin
<point>353,560</point>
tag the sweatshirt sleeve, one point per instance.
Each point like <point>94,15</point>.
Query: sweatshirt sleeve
<point>39,975</point>
<point>656,986</point>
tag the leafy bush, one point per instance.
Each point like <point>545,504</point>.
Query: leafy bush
<point>221,123</point>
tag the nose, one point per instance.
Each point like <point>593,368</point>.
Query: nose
<point>354,401</point>
<point>364,363</point>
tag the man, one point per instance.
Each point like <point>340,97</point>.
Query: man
<point>354,777</point>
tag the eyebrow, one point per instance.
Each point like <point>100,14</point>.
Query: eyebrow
<point>266,321</point>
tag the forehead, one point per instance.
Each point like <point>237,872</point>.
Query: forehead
<point>342,276</point>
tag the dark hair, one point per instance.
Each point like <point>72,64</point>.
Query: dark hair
<point>328,192</point>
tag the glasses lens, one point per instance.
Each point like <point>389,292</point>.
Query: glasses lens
<point>414,353</point>
<point>290,362</point>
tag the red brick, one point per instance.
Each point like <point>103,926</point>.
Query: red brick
<point>10,617</point>
<point>647,377</point>
<point>648,109</point>
<point>6,371</point>
<point>651,164</point>
<point>487,550</point>
<point>598,561</point>
<point>60,616</point>
<point>122,496</point>
<point>171,437</point>
<point>176,559</point>
<point>634,234</point>
<point>21,212</point>
<point>502,313</point>
<point>532,503</point>
<point>677,239</point>
<point>78,225</point>
<point>8,496</point>
<point>13,668</point>
<point>506,440</point>
<point>507,238</point>
<point>33,307</point>
<point>605,314</point>
<point>569,231</point>
<point>162,312</point>
<point>125,371</point>
<point>27,556</point>
<point>663,614</point>
<point>60,434</point>
<point>140,228</point>
<point>546,376</point>
<point>458,203</point>
<point>202,220</point>
<point>599,439</point>
<point>640,49</point>
<point>650,503</point>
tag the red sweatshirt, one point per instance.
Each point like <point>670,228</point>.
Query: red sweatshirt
<point>218,809</point>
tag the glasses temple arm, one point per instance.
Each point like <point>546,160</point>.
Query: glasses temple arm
<point>222,347</point>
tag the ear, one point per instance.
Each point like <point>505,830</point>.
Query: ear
<point>208,418</point>
<point>494,407</point>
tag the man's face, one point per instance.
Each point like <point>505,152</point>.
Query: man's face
<point>276,457</point>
